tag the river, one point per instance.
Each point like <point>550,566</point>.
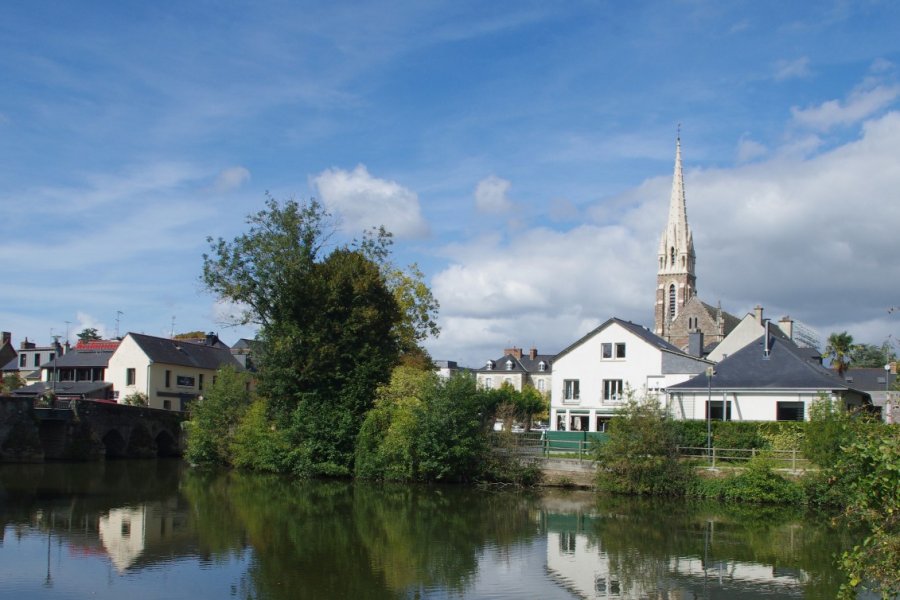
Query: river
<point>158,529</point>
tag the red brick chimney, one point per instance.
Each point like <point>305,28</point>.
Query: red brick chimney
<point>532,354</point>
<point>517,352</point>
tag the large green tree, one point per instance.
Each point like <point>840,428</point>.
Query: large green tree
<point>332,326</point>
<point>871,356</point>
<point>88,334</point>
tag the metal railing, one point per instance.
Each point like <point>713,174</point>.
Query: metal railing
<point>786,459</point>
<point>536,444</point>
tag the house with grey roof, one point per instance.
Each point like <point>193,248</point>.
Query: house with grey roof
<point>881,385</point>
<point>594,377</point>
<point>170,372</point>
<point>77,374</point>
<point>518,370</point>
<point>770,379</point>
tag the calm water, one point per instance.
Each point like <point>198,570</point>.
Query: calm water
<point>155,529</point>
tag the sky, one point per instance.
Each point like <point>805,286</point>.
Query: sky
<point>520,152</point>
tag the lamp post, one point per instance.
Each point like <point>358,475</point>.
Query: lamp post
<point>709,374</point>
<point>888,407</point>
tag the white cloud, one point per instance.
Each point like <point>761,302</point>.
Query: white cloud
<point>362,201</point>
<point>491,195</point>
<point>792,69</point>
<point>859,105</point>
<point>231,179</point>
<point>86,321</point>
<point>810,237</point>
<point>748,150</point>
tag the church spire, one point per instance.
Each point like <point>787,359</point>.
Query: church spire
<point>676,281</point>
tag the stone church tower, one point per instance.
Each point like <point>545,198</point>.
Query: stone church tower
<point>681,318</point>
<point>676,282</point>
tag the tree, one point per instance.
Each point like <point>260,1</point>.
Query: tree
<point>872,356</point>
<point>838,351</point>
<point>88,334</point>
<point>11,382</point>
<point>214,418</point>
<point>331,326</point>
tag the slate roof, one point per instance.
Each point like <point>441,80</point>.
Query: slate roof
<point>731,321</point>
<point>80,358</point>
<point>638,330</point>
<point>63,388</point>
<point>868,379</point>
<point>179,352</point>
<point>524,364</point>
<point>786,367</point>
<point>12,365</point>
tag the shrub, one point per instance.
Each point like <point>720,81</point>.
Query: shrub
<point>257,443</point>
<point>640,456</point>
<point>136,399</point>
<point>215,417</point>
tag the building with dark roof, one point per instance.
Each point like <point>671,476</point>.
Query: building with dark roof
<point>771,379</point>
<point>518,370</point>
<point>881,384</point>
<point>594,377</point>
<point>170,372</point>
<point>77,374</point>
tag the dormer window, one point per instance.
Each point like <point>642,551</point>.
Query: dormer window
<point>490,365</point>
<point>542,366</point>
<point>509,365</point>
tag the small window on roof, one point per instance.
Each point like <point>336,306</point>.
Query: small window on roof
<point>489,365</point>
<point>542,366</point>
<point>509,365</point>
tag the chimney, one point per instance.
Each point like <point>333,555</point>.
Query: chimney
<point>786,324</point>
<point>758,313</point>
<point>532,354</point>
<point>210,338</point>
<point>6,338</point>
<point>695,343</point>
<point>517,352</point>
<point>26,345</point>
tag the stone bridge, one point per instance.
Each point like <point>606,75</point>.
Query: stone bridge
<point>86,430</point>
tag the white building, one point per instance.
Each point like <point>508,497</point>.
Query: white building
<point>593,376</point>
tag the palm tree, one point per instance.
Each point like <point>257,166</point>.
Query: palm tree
<point>838,351</point>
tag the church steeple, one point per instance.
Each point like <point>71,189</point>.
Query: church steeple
<point>676,281</point>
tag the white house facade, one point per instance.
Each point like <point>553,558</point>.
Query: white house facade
<point>593,377</point>
<point>170,372</point>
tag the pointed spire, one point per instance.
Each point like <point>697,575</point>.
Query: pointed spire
<point>677,234</point>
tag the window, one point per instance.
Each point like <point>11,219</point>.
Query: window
<point>51,357</point>
<point>126,528</point>
<point>168,378</point>
<point>540,385</point>
<point>507,381</point>
<point>672,301</point>
<point>37,359</point>
<point>490,365</point>
<point>129,376</point>
<point>571,390</point>
<point>606,349</point>
<point>488,383</point>
<point>542,366</point>
<point>789,411</point>
<point>167,404</point>
<point>716,412</point>
<point>22,359</point>
<point>620,350</point>
<point>184,381</point>
<point>612,389</point>
<point>200,382</point>
<point>509,365</point>
<point>672,256</point>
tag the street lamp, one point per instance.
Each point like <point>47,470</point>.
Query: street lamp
<point>709,374</point>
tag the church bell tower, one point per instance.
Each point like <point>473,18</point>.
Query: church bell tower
<point>676,282</point>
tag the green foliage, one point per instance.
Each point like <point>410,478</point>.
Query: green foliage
<point>427,429</point>
<point>838,351</point>
<point>640,456</point>
<point>88,334</point>
<point>830,427</point>
<point>757,483</point>
<point>333,325</point>
<point>258,443</point>
<point>136,399</point>
<point>210,432</point>
<point>872,356</point>
<point>11,382</point>
<point>869,470</point>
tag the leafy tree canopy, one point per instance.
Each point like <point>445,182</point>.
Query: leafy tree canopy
<point>838,351</point>
<point>88,334</point>
<point>871,356</point>
<point>190,335</point>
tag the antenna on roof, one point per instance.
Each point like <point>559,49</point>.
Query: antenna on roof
<point>119,314</point>
<point>172,334</point>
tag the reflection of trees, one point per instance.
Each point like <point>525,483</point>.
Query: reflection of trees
<point>642,537</point>
<point>316,539</point>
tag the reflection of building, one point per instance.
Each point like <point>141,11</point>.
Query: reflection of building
<point>578,561</point>
<point>134,535</point>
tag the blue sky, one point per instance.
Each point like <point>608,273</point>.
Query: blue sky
<point>520,152</point>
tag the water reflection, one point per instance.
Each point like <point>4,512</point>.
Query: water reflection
<point>145,529</point>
